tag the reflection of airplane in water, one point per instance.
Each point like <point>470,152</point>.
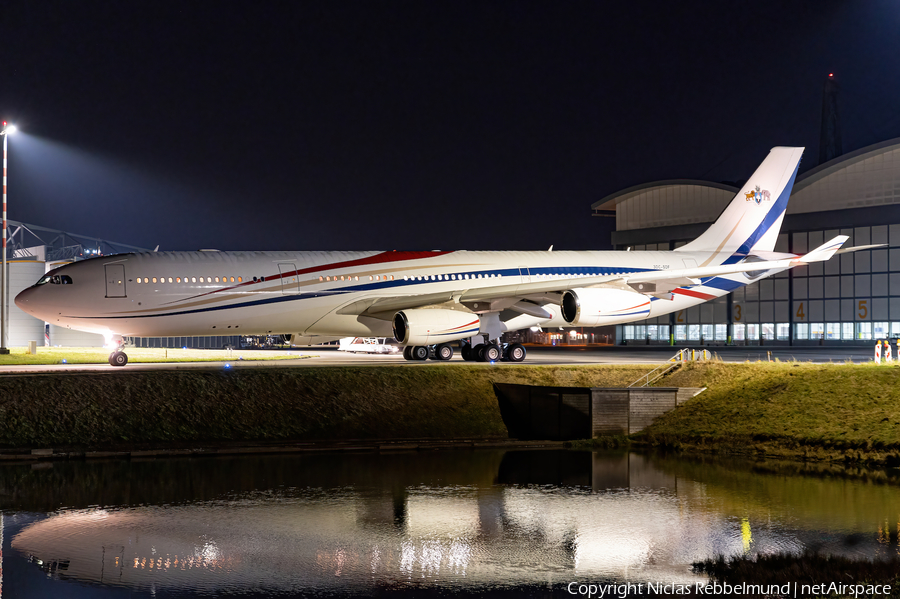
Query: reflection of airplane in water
<point>549,517</point>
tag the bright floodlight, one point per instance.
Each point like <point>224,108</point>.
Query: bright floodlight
<point>11,129</point>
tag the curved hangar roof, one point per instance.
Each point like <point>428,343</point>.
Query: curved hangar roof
<point>866,177</point>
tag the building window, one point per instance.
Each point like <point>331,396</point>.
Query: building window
<point>652,332</point>
<point>816,330</point>
<point>721,332</point>
<point>629,331</point>
<point>752,332</point>
<point>738,333</point>
<point>707,332</point>
<point>847,328</point>
<point>680,332</point>
<point>693,332</point>
<point>895,330</point>
<point>768,331</point>
<point>881,330</point>
<point>864,330</point>
<point>833,330</point>
<point>663,332</point>
<point>783,331</point>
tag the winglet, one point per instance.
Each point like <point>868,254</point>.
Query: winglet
<point>824,251</point>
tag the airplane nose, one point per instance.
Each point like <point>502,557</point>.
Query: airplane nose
<point>23,300</point>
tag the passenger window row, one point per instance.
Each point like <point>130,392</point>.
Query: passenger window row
<point>453,277</point>
<point>350,278</point>
<point>189,279</point>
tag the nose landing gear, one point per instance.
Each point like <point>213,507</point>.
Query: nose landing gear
<point>117,357</point>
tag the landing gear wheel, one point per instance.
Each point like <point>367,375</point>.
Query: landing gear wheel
<point>492,352</point>
<point>419,352</point>
<point>444,351</point>
<point>478,352</point>
<point>515,352</point>
<point>118,358</point>
<point>407,352</point>
<point>466,352</point>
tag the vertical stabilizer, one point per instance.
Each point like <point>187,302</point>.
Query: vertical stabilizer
<point>752,220</point>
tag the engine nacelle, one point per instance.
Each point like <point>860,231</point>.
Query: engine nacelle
<point>429,326</point>
<point>593,307</point>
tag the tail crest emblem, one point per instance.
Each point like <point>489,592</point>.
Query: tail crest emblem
<point>758,195</point>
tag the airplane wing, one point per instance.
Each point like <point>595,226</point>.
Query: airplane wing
<point>549,290</point>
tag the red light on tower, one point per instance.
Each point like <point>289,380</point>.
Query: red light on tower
<point>831,74</point>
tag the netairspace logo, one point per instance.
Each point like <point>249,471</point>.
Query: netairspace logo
<point>717,589</point>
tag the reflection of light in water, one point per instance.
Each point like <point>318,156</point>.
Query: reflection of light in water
<point>346,539</point>
<point>746,535</point>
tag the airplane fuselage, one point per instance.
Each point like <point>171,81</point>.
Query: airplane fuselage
<point>225,293</point>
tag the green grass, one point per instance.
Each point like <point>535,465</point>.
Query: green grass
<point>811,411</point>
<point>99,355</point>
<point>110,408</point>
<point>844,412</point>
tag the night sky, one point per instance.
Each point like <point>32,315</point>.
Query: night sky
<point>413,125</point>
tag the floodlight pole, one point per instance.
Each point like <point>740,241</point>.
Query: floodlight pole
<point>4,282</point>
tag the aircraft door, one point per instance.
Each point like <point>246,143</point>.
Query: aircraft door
<point>115,280</point>
<point>525,274</point>
<point>290,280</point>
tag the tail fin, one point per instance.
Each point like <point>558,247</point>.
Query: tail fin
<point>753,218</point>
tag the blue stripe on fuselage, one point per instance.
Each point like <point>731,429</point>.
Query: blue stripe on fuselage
<point>378,285</point>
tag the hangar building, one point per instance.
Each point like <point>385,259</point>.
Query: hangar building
<point>851,299</point>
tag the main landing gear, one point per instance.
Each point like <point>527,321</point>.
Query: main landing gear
<point>493,352</point>
<point>483,352</point>
<point>442,352</point>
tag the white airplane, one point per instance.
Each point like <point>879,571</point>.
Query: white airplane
<point>425,299</point>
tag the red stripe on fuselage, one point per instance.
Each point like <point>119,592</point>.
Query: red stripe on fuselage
<point>382,258</point>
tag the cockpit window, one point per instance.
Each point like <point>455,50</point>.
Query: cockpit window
<point>55,280</point>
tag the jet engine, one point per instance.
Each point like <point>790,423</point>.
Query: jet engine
<point>593,307</point>
<point>427,326</point>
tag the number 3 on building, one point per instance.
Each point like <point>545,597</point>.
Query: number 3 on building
<point>737,312</point>
<point>863,309</point>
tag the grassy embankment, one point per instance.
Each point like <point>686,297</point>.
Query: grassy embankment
<point>103,409</point>
<point>848,412</point>
<point>99,355</point>
<point>808,411</point>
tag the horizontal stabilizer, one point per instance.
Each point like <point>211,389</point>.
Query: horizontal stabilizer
<point>858,248</point>
<point>824,251</point>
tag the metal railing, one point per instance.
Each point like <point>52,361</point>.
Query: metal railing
<point>684,355</point>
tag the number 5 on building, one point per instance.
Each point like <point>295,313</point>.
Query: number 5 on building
<point>863,309</point>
